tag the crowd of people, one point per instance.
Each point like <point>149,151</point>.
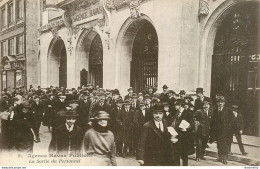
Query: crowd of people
<point>156,128</point>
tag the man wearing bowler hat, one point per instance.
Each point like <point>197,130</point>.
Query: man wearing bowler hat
<point>221,129</point>
<point>67,138</point>
<point>238,126</point>
<point>154,144</point>
<point>199,101</point>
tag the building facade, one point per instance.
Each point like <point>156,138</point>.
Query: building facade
<point>19,44</point>
<point>185,44</point>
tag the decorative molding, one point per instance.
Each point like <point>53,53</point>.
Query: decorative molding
<point>52,26</point>
<point>134,8</point>
<point>12,28</point>
<point>203,8</point>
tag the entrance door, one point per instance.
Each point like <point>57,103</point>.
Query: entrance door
<point>144,65</point>
<point>234,73</point>
<point>96,62</point>
<point>63,68</point>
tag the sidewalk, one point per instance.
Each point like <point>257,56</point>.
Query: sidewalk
<point>251,145</point>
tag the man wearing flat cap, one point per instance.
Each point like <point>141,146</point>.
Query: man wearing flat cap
<point>221,129</point>
<point>199,101</point>
<point>202,119</point>
<point>67,138</point>
<point>154,144</point>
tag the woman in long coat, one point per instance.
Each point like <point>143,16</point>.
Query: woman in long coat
<point>99,143</point>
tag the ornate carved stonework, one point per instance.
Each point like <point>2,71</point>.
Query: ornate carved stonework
<point>203,8</point>
<point>55,31</point>
<point>134,8</point>
<point>117,4</point>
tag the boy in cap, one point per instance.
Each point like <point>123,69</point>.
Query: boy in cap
<point>67,138</point>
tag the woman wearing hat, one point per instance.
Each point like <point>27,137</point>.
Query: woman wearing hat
<point>99,142</point>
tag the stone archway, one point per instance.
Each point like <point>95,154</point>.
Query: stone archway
<point>225,57</point>
<point>89,59</point>
<point>57,63</point>
<point>136,69</point>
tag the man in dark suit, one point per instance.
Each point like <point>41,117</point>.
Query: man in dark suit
<point>221,129</point>
<point>67,138</point>
<point>202,117</point>
<point>101,105</point>
<point>130,94</point>
<point>154,144</point>
<point>185,144</point>
<point>84,105</point>
<point>164,95</point>
<point>126,127</point>
<point>238,126</point>
<point>199,101</point>
<point>168,115</point>
<point>38,110</point>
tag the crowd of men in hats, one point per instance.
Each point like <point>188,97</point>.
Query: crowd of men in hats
<point>156,128</point>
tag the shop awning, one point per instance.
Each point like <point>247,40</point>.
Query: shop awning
<point>10,58</point>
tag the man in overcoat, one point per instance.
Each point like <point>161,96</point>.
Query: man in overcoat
<point>221,129</point>
<point>67,138</point>
<point>203,118</point>
<point>199,101</point>
<point>126,127</point>
<point>37,110</point>
<point>154,144</point>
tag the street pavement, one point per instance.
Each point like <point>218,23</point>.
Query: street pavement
<point>45,135</point>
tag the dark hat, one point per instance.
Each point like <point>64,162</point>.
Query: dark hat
<point>165,86</point>
<point>158,108</point>
<point>130,88</point>
<point>101,115</point>
<point>5,96</point>
<point>220,98</point>
<point>234,108</point>
<point>26,104</point>
<point>115,91</point>
<point>134,95</point>
<point>61,94</point>
<point>127,102</point>
<point>206,102</point>
<point>182,92</point>
<point>119,100</point>
<point>165,104</point>
<point>156,94</point>
<point>141,104</point>
<point>171,91</point>
<point>188,97</point>
<point>180,102</point>
<point>71,113</point>
<point>199,90</point>
<point>147,96</point>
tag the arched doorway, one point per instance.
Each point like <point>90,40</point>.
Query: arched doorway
<point>144,64</point>
<point>89,59</point>
<point>96,62</point>
<point>136,55</point>
<point>235,62</point>
<point>57,63</point>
